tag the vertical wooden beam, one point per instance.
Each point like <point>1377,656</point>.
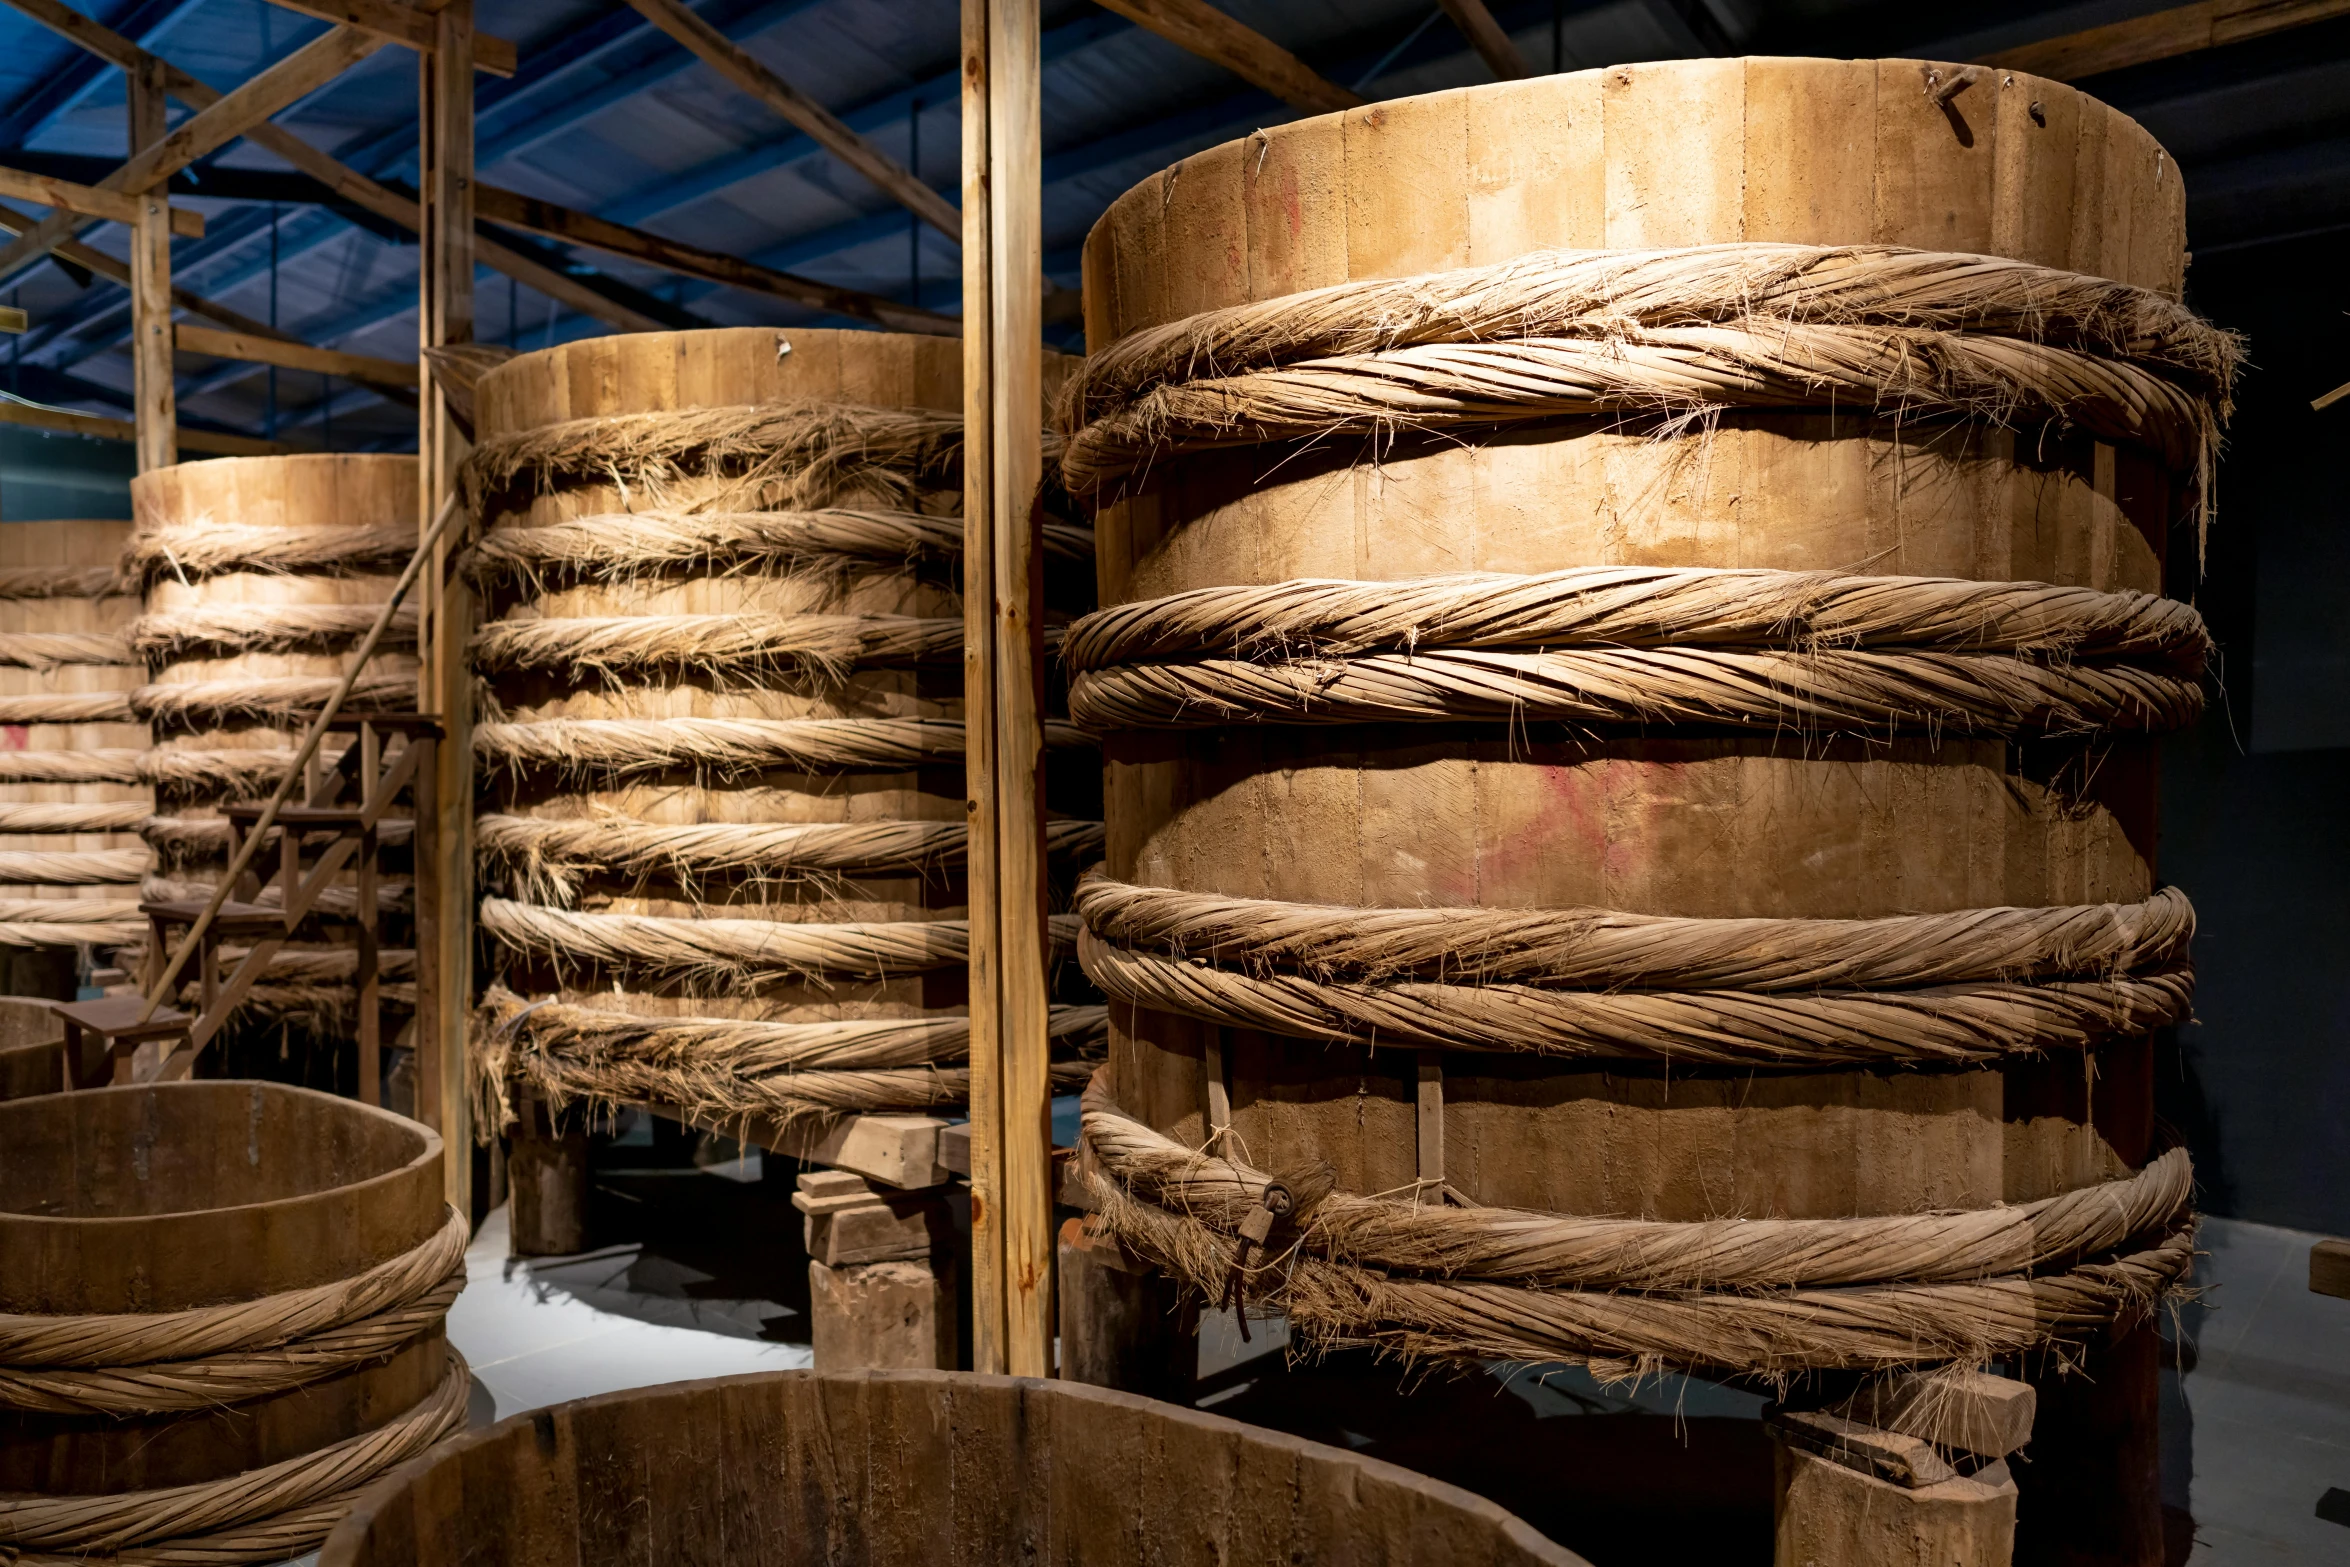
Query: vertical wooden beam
<point>444,938</point>
<point>156,419</point>
<point>1003,358</point>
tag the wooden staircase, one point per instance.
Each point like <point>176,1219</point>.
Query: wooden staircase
<point>318,841</point>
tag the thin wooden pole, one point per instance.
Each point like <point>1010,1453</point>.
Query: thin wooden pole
<point>155,418</point>
<point>444,938</point>
<point>989,1352</point>
<point>1003,198</point>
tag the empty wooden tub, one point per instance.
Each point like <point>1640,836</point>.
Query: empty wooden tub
<point>904,1467</point>
<point>220,1313</point>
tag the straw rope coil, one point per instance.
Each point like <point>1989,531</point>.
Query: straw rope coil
<point>1629,1298</point>
<point>1679,333</point>
<point>617,545</point>
<point>272,699</point>
<point>78,816</point>
<point>1646,645</point>
<point>732,746</point>
<point>178,840</point>
<point>63,582</point>
<point>726,1068</point>
<point>221,630</point>
<point>93,707</point>
<point>172,1523</point>
<point>189,550</point>
<point>740,948</point>
<point>550,856</point>
<point>67,867</point>
<point>1976,987</point>
<point>108,765</point>
<point>608,646</point>
<point>47,650</point>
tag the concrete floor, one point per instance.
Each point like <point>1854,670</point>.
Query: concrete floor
<point>712,1282</point>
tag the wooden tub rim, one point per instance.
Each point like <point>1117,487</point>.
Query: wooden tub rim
<point>343,1547</point>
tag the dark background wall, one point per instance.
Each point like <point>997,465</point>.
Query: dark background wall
<point>44,476</point>
<point>2255,826</point>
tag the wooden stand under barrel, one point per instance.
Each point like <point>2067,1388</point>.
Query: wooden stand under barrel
<point>1665,821</point>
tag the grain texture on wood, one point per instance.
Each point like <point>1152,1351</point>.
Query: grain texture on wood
<point>293,356</point>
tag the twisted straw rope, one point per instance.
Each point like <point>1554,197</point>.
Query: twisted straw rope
<point>730,1067</point>
<point>1876,691</point>
<point>111,1522</point>
<point>1676,332</point>
<point>94,766</point>
<point>29,1341</point>
<point>623,746</point>
<point>47,650</point>
<point>221,629</point>
<point>227,769</point>
<point>63,582</point>
<point>204,549</point>
<point>1603,948</point>
<point>610,645</point>
<point>53,933</point>
<point>550,856</point>
<point>178,839</point>
<point>618,544</point>
<point>280,699</point>
<point>66,867</point>
<point>93,707</point>
<point>1637,606</point>
<point>1563,1251</point>
<point>1949,1025</point>
<point>875,949</point>
<point>79,816</point>
<point>93,905</point>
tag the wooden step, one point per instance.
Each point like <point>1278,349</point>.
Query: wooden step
<point>417,726</point>
<point>233,919</point>
<point>117,1017</point>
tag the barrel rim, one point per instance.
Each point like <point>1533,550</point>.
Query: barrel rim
<point>429,1154</point>
<point>342,1548</point>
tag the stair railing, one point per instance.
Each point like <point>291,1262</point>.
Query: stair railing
<point>189,944</point>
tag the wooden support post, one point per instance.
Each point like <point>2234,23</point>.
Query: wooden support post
<point>444,825</point>
<point>548,1175</point>
<point>1123,1325</point>
<point>155,419</point>
<point>1003,409</point>
<point>1829,1514</point>
<point>882,1291</point>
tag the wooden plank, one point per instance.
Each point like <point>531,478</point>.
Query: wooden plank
<point>154,400</point>
<point>1969,1410</point>
<point>445,319</point>
<point>2329,1268</point>
<point>737,65</point>
<point>90,202</point>
<point>896,1150</point>
<point>344,181</point>
<point>2165,35</point>
<point>1248,54</point>
<point>293,356</point>
<point>1485,35</point>
<point>63,421</point>
<point>515,210</point>
<point>399,25</point>
<point>1906,1461</point>
<point>985,1167</point>
<point>295,77</point>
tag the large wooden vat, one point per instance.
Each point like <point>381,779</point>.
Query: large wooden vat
<point>720,738</point>
<point>1659,818</point>
<point>70,799</point>
<point>133,1221</point>
<point>262,576</point>
<point>32,1050</point>
<point>789,1468</point>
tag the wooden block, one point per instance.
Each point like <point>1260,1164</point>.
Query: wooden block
<point>1972,1411</point>
<point>1906,1461</point>
<point>828,1191</point>
<point>899,1231</point>
<point>896,1150</point>
<point>1827,1515</point>
<point>2329,1268</point>
<point>954,1148</point>
<point>1122,1325</point>
<point>882,1316</point>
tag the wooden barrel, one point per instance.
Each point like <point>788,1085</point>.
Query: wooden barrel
<point>32,1050</point>
<point>137,1221</point>
<point>781,1469</point>
<point>70,798</point>
<point>262,576</point>
<point>1762,814</point>
<point>720,741</point>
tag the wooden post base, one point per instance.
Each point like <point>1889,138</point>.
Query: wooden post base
<point>547,1171</point>
<point>2092,1494</point>
<point>1829,1515</point>
<point>1123,1326</point>
<point>882,1316</point>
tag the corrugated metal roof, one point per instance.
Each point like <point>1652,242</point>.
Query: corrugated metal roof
<point>609,116</point>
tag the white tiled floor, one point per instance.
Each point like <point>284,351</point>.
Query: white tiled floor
<point>542,1332</point>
